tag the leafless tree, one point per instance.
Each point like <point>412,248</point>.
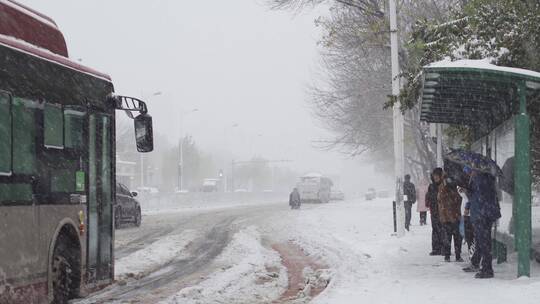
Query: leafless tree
<point>355,83</point>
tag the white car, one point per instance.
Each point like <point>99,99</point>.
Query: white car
<point>337,195</point>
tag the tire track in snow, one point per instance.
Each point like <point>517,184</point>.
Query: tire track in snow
<point>200,254</point>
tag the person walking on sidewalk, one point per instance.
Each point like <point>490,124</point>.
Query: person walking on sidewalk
<point>484,211</point>
<point>433,205</point>
<point>450,216</point>
<point>421,207</point>
<point>294,199</point>
<point>409,190</point>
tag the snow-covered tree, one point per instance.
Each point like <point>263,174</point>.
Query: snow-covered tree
<point>505,31</point>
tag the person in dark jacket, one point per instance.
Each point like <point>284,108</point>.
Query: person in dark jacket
<point>432,204</point>
<point>484,211</point>
<point>294,199</point>
<point>450,216</point>
<point>409,190</point>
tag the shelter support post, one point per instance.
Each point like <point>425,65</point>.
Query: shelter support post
<point>522,180</point>
<point>439,146</point>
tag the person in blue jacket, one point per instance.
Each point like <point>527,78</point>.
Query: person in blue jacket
<point>484,211</point>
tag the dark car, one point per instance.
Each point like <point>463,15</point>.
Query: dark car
<point>126,209</point>
<point>371,194</point>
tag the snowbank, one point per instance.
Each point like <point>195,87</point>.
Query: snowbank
<point>250,273</point>
<point>157,254</point>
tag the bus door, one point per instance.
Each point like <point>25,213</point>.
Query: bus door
<point>100,230</point>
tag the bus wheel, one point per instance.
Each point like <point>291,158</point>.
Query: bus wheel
<point>138,218</point>
<point>64,273</point>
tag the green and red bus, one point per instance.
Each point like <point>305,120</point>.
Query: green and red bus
<point>57,163</point>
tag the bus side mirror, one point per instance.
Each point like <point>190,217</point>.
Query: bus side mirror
<point>143,133</point>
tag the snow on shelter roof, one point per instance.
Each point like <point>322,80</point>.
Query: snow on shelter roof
<point>483,64</point>
<point>473,92</point>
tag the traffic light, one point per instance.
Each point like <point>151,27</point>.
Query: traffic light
<point>220,174</point>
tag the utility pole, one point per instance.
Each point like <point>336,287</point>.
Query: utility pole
<point>399,164</point>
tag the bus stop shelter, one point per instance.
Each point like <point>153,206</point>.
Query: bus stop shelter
<point>478,94</point>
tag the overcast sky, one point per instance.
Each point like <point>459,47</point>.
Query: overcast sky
<point>235,61</point>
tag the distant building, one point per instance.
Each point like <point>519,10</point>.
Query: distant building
<point>126,172</point>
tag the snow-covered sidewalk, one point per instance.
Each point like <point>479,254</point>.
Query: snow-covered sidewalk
<point>369,265</point>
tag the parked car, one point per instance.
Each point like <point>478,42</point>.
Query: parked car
<point>210,185</point>
<point>147,190</point>
<point>337,195</point>
<point>371,194</point>
<point>126,208</point>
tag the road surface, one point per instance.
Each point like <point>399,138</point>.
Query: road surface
<point>176,250</point>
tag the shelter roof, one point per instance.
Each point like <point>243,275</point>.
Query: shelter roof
<point>473,92</point>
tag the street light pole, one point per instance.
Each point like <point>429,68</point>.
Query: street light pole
<point>399,168</point>
<point>141,155</point>
<point>226,145</point>
<point>181,150</point>
<point>180,163</point>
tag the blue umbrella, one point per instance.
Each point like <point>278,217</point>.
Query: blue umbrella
<point>475,161</point>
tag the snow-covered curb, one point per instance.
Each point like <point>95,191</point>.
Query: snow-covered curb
<point>251,273</point>
<point>154,255</point>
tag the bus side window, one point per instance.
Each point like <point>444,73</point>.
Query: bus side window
<point>18,147</point>
<point>24,136</point>
<point>73,128</point>
<point>64,168</point>
<point>53,126</point>
<point>5,134</point>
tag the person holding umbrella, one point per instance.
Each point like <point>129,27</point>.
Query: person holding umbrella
<point>484,207</point>
<point>484,211</point>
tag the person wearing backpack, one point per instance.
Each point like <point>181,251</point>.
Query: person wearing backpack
<point>409,190</point>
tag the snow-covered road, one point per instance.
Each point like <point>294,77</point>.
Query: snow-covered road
<point>266,253</point>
